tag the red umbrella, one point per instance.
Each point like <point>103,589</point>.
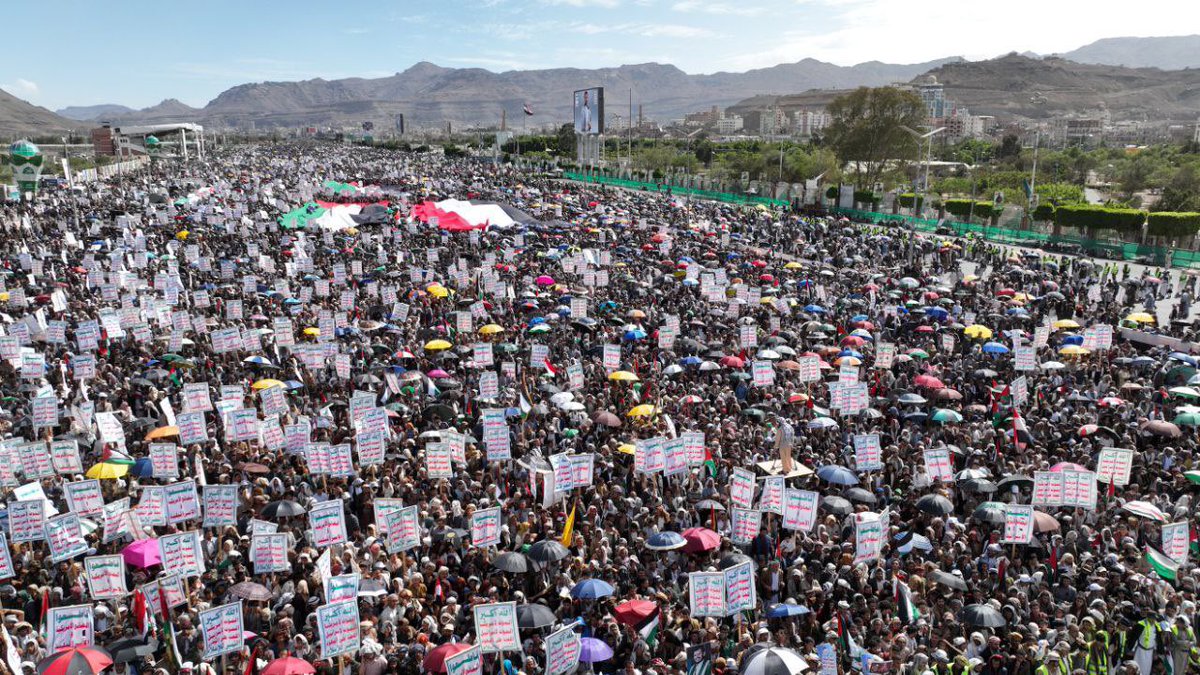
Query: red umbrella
<point>435,660</point>
<point>75,661</point>
<point>732,362</point>
<point>289,665</point>
<point>633,612</point>
<point>929,382</point>
<point>701,539</point>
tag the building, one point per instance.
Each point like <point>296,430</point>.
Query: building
<point>806,123</point>
<point>729,124</point>
<point>102,142</point>
<point>933,95</point>
<point>703,118</point>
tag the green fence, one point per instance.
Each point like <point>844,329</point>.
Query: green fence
<point>1102,248</point>
<point>727,197</point>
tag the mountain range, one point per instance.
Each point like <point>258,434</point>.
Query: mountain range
<point>430,96</point>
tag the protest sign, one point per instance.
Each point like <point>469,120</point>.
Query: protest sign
<point>68,627</point>
<point>496,627</point>
<point>338,628</point>
<point>221,629</point>
<point>1018,524</point>
<point>485,527</point>
<point>562,651</point>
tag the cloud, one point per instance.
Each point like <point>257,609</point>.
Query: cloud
<point>650,30</point>
<point>606,4</point>
<point>718,8</point>
<point>22,87</point>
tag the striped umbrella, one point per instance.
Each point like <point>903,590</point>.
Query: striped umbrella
<point>774,661</point>
<point>1145,510</point>
<point>75,661</point>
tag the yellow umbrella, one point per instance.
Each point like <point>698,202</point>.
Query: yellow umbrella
<point>643,410</point>
<point>266,383</point>
<point>1141,317</point>
<point>1074,350</point>
<point>437,290</point>
<point>107,471</point>
<point>182,235</point>
<point>977,332</point>
<point>437,345</point>
<point>491,329</point>
<point>312,331</point>
<point>793,266</point>
<point>162,432</point>
<point>623,376</point>
<point>1066,323</point>
<point>626,448</point>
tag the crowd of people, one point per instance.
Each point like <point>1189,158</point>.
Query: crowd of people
<point>232,445</point>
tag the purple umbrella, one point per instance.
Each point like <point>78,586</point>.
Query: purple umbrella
<point>142,553</point>
<point>592,650</point>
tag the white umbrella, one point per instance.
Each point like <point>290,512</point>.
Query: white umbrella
<point>1053,365</point>
<point>1145,510</point>
<point>774,661</point>
<point>561,398</point>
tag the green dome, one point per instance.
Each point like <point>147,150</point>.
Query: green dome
<point>24,149</point>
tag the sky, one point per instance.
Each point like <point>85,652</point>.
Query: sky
<point>137,52</point>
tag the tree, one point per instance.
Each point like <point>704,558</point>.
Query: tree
<point>867,129</point>
<point>1010,147</point>
<point>566,140</point>
<point>1182,193</point>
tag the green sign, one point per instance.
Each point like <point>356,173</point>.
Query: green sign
<point>26,162</point>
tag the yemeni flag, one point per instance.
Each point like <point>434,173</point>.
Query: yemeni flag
<point>1194,538</point>
<point>647,628</point>
<point>45,610</point>
<point>168,630</point>
<point>905,609</point>
<point>140,612</point>
<point>550,367</point>
<point>709,463</point>
<point>1160,563</point>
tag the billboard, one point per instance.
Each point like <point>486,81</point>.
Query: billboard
<point>589,111</point>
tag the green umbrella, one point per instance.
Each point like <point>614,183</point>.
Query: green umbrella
<point>1193,476</point>
<point>946,416</point>
<point>1189,419</point>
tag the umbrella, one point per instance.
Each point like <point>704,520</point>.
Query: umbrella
<point>435,660</point>
<point>1162,428</point>
<point>590,589</point>
<point>162,432</point>
<point>284,508</point>
<point>787,609</point>
<point>989,512</point>
<point>290,665</point>
<point>547,550</point>
<point>132,649</point>
<point>935,505</point>
<point>700,539</point>
<point>981,485</point>
<point>249,590</point>
<point>665,541</point>
<point>534,615</point>
<point>1015,480</point>
<point>142,553</point>
<point>838,475</point>
<point>735,559</point>
<point>643,410</point>
<point>606,419</point>
<point>984,616</point>
<point>512,562</point>
<point>75,661</point>
<point>836,505</point>
<point>633,612</point>
<point>859,496</point>
<point>1044,522</point>
<point>592,650</point>
<point>1145,510</point>
<point>773,661</point>
<point>947,579</point>
<point>709,505</point>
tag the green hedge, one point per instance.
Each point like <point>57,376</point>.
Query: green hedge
<point>987,210</point>
<point>1099,218</point>
<point>865,197</point>
<point>907,199</point>
<point>1173,225</point>
<point>1043,212</point>
<point>832,192</point>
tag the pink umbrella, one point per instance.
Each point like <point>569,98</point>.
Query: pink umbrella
<point>700,539</point>
<point>438,374</point>
<point>142,553</point>
<point>1068,466</point>
<point>544,280</point>
<point>929,382</point>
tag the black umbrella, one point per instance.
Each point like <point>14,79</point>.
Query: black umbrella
<point>989,512</point>
<point>984,616</point>
<point>547,550</point>
<point>132,649</point>
<point>981,485</point>
<point>1021,482</point>
<point>709,505</point>
<point>734,559</point>
<point>859,495</point>
<point>946,579</point>
<point>836,505</point>
<point>935,505</point>
<point>771,660</point>
<point>284,508</point>
<point>511,561</point>
<point>534,616</point>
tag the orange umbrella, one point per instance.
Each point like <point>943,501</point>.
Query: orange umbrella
<point>162,432</point>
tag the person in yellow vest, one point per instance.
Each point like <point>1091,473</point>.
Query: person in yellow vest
<point>1053,665</point>
<point>1095,656</point>
<point>1145,641</point>
<point>1183,645</point>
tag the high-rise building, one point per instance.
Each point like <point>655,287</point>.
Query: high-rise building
<point>933,94</point>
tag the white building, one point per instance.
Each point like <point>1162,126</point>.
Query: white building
<point>729,124</point>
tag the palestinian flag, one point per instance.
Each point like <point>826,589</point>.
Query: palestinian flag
<point>709,463</point>
<point>905,609</point>
<point>647,628</point>
<point>1159,562</point>
<point>1194,538</point>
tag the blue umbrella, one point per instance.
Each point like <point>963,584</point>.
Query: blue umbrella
<point>665,541</point>
<point>1184,358</point>
<point>258,361</point>
<point>590,589</point>
<point>814,309</point>
<point>143,468</point>
<point>636,334</point>
<point>822,423</point>
<point>850,352</point>
<point>292,385</point>
<point>785,609</point>
<point>938,313</point>
<point>1072,340</point>
<point>690,361</point>
<point>838,475</point>
<point>994,348</point>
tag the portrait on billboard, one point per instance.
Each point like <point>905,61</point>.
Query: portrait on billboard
<point>589,111</point>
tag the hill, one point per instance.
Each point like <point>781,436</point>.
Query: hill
<point>1169,53</point>
<point>1016,85</point>
<point>430,95</point>
<point>22,118</point>
<point>91,113</point>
